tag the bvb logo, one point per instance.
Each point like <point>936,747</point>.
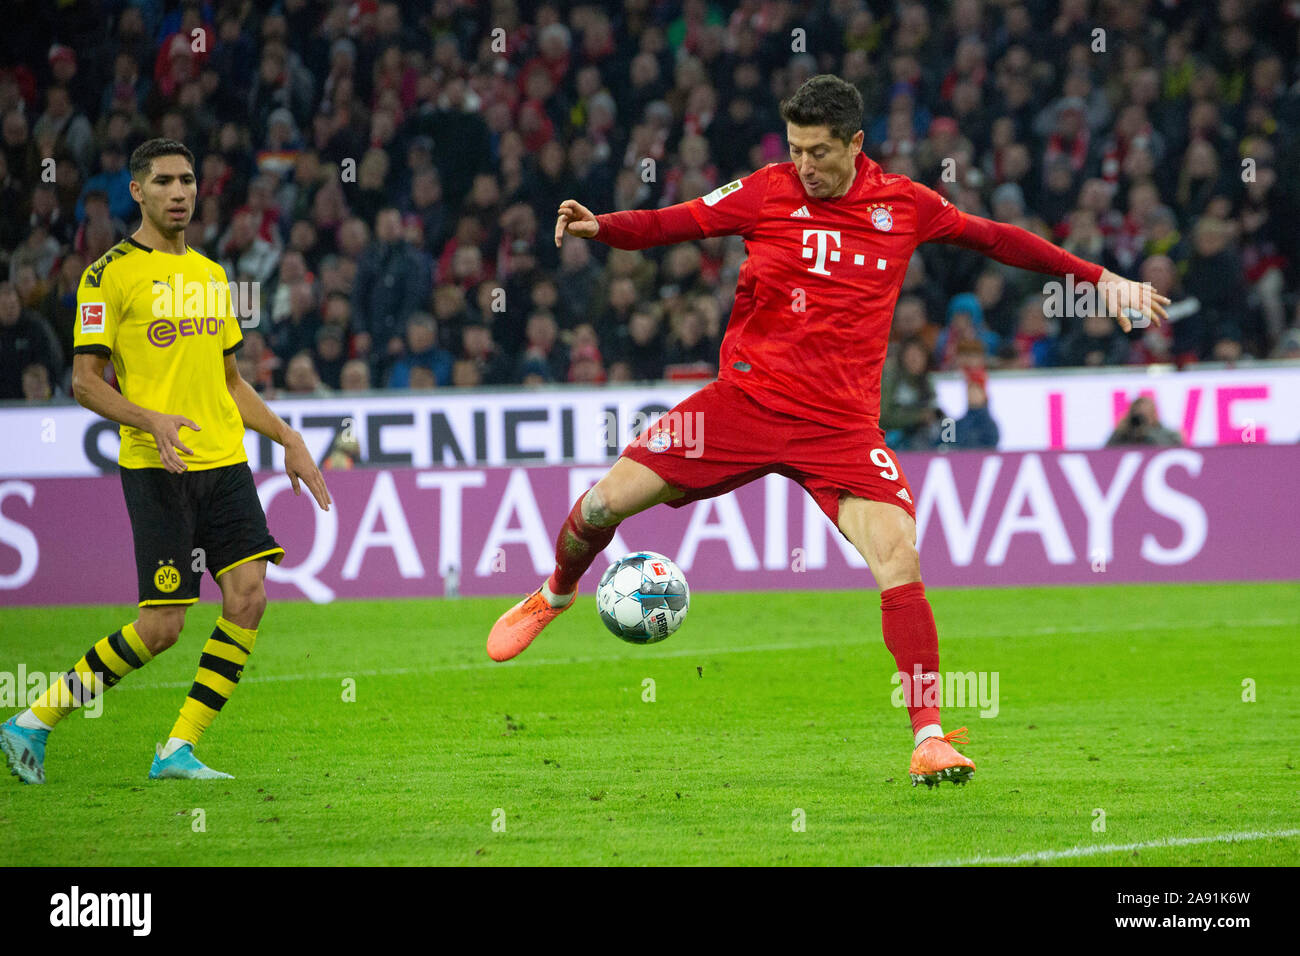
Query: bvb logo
<point>167,579</point>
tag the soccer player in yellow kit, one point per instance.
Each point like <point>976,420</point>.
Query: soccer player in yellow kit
<point>148,307</point>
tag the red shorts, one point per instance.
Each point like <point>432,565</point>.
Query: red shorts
<point>720,438</point>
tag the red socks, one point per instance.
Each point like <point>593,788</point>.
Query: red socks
<point>910,635</point>
<point>576,547</point>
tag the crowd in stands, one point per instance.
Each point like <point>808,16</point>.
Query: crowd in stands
<point>388,172</point>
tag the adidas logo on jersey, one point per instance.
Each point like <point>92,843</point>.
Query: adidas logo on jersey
<point>902,493</point>
<point>802,211</point>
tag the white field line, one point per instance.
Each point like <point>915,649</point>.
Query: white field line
<point>1046,856</point>
<point>650,655</point>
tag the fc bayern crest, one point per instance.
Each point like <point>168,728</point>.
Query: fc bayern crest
<point>660,442</point>
<point>882,220</point>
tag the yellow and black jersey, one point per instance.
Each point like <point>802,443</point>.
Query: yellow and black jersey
<point>166,321</point>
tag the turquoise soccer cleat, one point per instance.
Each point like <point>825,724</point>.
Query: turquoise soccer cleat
<point>24,750</point>
<point>183,765</point>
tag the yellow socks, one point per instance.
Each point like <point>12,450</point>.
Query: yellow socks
<point>111,659</point>
<point>220,667</point>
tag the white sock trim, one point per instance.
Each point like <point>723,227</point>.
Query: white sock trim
<point>553,599</point>
<point>30,721</point>
<point>929,730</point>
<point>173,744</point>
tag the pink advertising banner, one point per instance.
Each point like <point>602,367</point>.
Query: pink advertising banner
<point>984,519</point>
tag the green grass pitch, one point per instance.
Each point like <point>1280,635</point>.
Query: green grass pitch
<point>1121,699</point>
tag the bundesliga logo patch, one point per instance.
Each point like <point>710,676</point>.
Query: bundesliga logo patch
<point>713,197</point>
<point>882,220</point>
<point>92,317</point>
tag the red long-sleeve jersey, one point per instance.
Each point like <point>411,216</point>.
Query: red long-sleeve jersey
<point>810,325</point>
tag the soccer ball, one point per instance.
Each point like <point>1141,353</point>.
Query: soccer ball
<point>642,598</point>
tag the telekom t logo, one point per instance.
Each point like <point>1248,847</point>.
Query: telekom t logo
<point>822,235</point>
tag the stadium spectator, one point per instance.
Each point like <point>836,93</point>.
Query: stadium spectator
<point>300,378</point>
<point>99,217</point>
<point>25,339</point>
<point>1035,343</point>
<point>263,364</point>
<point>451,311</point>
<point>620,301</point>
<point>355,376</point>
<point>691,352</point>
<point>371,194</point>
<point>63,128</point>
<point>995,299</point>
<point>422,351</point>
<point>478,349</point>
<point>126,84</point>
<point>910,322</point>
<point>544,358</point>
<point>579,275</point>
<point>1097,342</point>
<point>296,331</point>
<point>329,355</point>
<point>245,255</point>
<point>964,324</point>
<point>586,365</point>
<point>30,286</point>
<point>46,214</point>
<point>36,383</point>
<point>391,285</point>
<point>908,408</point>
<point>113,180</point>
<point>292,272</point>
<point>1141,426</point>
<point>1215,278</point>
<point>640,348</point>
<point>21,158</point>
<point>58,306</point>
<point>975,429</point>
<point>425,201</point>
<point>65,73</point>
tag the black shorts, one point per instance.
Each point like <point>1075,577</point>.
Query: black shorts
<point>183,525</point>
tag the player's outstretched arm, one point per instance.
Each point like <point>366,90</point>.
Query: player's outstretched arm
<point>631,229</point>
<point>1124,299</point>
<point>255,414</point>
<point>92,392</point>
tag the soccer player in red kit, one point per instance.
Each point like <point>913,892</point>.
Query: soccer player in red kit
<point>829,236</point>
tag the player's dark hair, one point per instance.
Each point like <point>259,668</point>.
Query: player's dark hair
<point>144,155</point>
<point>826,100</point>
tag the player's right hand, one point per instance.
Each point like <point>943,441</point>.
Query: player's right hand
<point>166,431</point>
<point>575,219</point>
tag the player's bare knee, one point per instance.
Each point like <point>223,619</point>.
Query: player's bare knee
<point>245,605</point>
<point>160,629</point>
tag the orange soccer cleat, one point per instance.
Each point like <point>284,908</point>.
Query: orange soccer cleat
<point>515,629</point>
<point>935,760</point>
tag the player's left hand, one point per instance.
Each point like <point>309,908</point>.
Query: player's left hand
<point>299,465</point>
<point>1130,302</point>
